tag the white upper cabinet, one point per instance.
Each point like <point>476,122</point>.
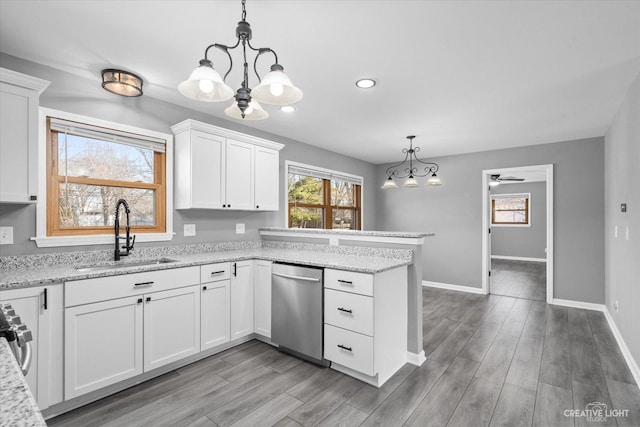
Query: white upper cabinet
<point>240,175</point>
<point>267,164</point>
<point>19,99</point>
<point>200,171</point>
<point>216,168</point>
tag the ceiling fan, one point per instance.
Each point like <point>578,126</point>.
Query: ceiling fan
<point>496,179</point>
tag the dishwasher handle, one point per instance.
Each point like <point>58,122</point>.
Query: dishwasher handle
<point>290,276</point>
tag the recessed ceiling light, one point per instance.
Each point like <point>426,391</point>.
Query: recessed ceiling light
<point>287,108</point>
<point>365,83</point>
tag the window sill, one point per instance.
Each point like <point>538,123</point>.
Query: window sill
<point>510,225</point>
<point>103,239</point>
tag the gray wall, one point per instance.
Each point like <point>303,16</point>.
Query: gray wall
<point>527,242</point>
<point>73,94</point>
<point>622,185</point>
<point>454,212</point>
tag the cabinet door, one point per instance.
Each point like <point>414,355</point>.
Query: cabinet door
<point>239,175</point>
<point>262,302</point>
<point>18,144</point>
<point>103,344</point>
<point>207,170</point>
<point>171,326</point>
<point>267,179</point>
<point>215,316</point>
<point>41,310</point>
<point>241,299</point>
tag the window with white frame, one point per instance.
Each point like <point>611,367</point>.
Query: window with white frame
<point>89,165</point>
<point>511,209</point>
<point>322,198</point>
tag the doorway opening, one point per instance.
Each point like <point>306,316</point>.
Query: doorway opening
<point>517,237</point>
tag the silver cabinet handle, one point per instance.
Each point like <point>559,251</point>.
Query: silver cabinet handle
<point>346,310</point>
<point>25,361</point>
<point>217,272</point>
<point>345,282</point>
<point>288,276</point>
<point>344,347</point>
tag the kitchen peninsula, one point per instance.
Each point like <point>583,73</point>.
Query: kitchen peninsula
<point>374,239</point>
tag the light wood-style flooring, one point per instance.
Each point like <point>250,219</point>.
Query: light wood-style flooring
<point>491,360</point>
<point>519,279</point>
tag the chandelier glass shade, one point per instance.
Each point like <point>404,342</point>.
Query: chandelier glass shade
<point>206,84</point>
<point>414,168</point>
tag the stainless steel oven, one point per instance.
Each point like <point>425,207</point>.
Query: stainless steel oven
<point>17,335</point>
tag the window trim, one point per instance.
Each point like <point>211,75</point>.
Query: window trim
<point>41,238</point>
<point>323,171</point>
<point>511,224</point>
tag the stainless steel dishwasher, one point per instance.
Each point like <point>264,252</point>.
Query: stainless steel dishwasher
<point>297,310</point>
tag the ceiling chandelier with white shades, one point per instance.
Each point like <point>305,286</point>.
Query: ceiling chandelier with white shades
<point>206,84</point>
<point>401,170</point>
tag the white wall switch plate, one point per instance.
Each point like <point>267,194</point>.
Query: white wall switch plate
<point>6,235</point>
<point>189,229</point>
<point>239,228</point>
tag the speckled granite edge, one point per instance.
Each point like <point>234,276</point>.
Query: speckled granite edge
<point>106,256</point>
<point>19,408</point>
<point>401,254</point>
<point>372,233</point>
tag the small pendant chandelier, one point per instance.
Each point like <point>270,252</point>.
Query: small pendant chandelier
<point>412,171</point>
<point>205,83</point>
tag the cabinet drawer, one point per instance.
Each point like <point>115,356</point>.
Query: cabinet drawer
<point>215,272</point>
<point>349,349</point>
<point>349,311</point>
<point>106,288</point>
<point>350,281</point>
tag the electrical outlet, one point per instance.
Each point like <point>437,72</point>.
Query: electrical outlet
<point>239,228</point>
<point>616,306</point>
<point>6,235</point>
<point>627,232</point>
<point>189,230</point>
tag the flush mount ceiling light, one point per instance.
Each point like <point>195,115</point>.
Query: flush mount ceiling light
<point>121,82</point>
<point>412,171</point>
<point>365,83</point>
<point>287,108</point>
<point>205,83</point>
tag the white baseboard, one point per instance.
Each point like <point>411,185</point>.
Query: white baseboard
<point>578,304</point>
<point>452,287</point>
<point>631,362</point>
<point>416,359</point>
<point>518,258</point>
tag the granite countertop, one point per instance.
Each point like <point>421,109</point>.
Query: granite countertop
<point>35,275</point>
<point>19,408</point>
<point>372,233</point>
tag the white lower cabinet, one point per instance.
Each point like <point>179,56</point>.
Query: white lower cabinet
<point>171,326</point>
<point>215,305</point>
<point>241,299</point>
<point>118,327</point>
<point>110,341</point>
<point>262,301</point>
<point>365,323</point>
<point>103,344</point>
<point>41,309</point>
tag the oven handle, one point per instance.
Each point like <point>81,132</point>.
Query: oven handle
<point>25,362</point>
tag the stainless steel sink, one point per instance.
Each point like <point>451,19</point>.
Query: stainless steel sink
<point>118,265</point>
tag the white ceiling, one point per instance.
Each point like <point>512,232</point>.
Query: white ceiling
<point>462,76</point>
